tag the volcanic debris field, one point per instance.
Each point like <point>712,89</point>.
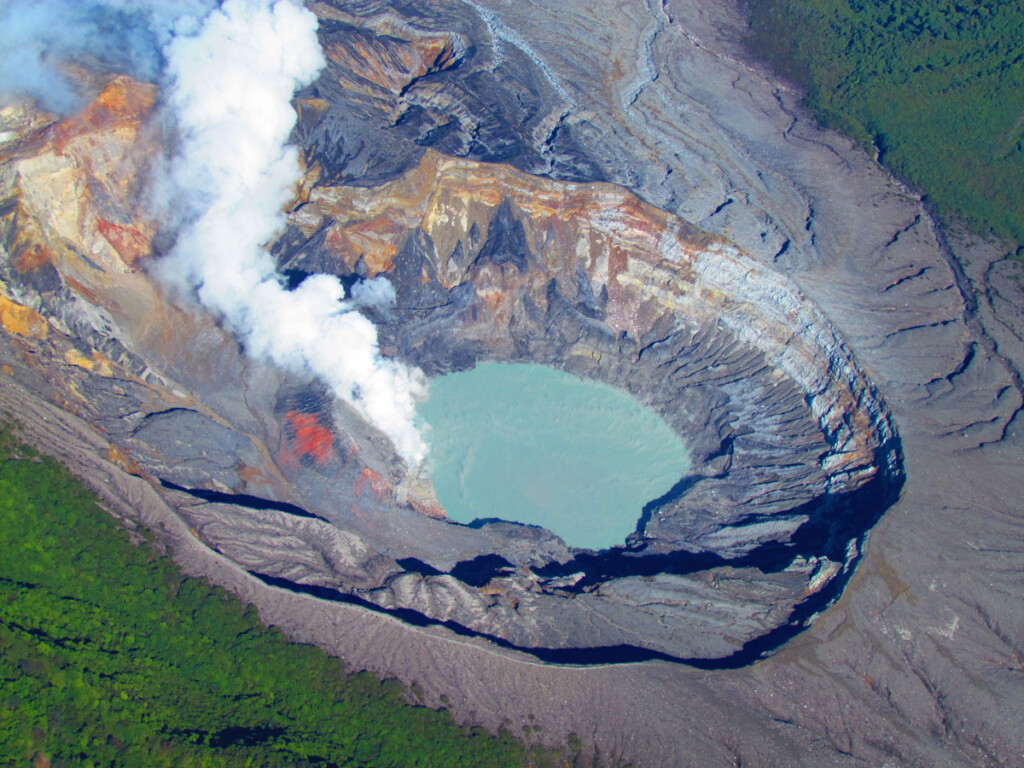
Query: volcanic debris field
<point>615,193</point>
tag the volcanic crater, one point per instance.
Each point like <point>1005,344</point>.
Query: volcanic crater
<point>523,175</point>
<point>794,454</point>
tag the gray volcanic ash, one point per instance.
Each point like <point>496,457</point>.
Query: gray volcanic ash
<point>497,186</point>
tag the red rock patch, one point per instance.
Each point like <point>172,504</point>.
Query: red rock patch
<point>309,438</point>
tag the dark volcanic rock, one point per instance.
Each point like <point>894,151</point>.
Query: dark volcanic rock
<point>436,76</point>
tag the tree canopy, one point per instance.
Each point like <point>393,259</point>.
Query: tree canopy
<point>109,656</point>
<point>937,87</point>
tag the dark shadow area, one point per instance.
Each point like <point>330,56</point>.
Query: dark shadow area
<point>833,522</point>
<point>415,565</point>
<point>241,736</point>
<point>242,500</point>
<point>480,570</point>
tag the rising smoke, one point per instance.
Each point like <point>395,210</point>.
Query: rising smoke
<point>38,40</point>
<point>230,76</point>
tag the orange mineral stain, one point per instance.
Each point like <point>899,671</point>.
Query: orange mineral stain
<point>311,438</point>
<point>121,106</point>
<point>374,481</point>
<point>23,321</point>
<point>129,242</point>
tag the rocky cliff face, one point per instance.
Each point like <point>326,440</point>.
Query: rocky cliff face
<point>657,219</point>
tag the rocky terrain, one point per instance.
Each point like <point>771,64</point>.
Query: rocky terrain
<point>615,192</point>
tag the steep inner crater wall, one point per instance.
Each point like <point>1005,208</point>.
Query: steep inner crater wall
<point>794,455</point>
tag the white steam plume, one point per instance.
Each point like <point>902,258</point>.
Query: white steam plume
<point>232,87</point>
<point>38,37</point>
<point>231,78</point>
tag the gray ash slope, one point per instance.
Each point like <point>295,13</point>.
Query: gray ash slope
<point>918,664</point>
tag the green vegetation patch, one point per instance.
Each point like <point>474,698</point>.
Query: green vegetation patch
<point>936,86</point>
<point>109,656</point>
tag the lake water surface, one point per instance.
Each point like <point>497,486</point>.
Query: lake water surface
<point>532,444</point>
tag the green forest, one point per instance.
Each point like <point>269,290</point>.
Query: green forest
<point>937,87</point>
<point>110,657</point>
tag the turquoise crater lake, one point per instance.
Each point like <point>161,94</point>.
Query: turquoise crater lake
<point>535,445</point>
